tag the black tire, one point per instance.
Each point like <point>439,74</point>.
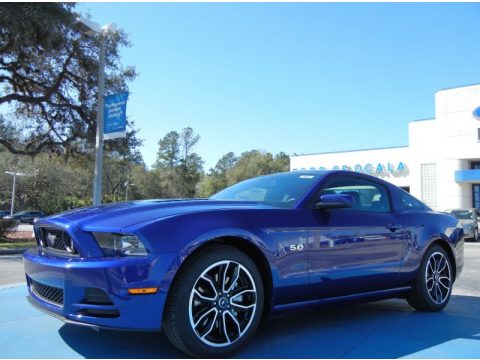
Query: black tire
<point>181,320</point>
<point>424,297</point>
<point>475,236</point>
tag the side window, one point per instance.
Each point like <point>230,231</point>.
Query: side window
<point>367,195</point>
<point>410,203</point>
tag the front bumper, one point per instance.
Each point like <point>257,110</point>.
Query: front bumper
<point>469,231</point>
<point>72,277</point>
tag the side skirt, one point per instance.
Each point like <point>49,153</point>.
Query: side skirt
<point>367,296</point>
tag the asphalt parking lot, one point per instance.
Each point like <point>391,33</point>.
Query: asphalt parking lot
<point>385,329</point>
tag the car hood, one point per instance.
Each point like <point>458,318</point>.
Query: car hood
<point>466,222</point>
<point>114,217</point>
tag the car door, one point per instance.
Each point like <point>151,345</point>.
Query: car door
<point>357,249</point>
<point>23,217</point>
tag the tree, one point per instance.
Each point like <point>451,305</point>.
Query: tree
<point>51,184</point>
<point>191,163</point>
<point>229,169</point>
<point>188,141</point>
<point>168,154</point>
<point>178,168</point>
<point>225,163</point>
<point>255,163</point>
<point>217,178</point>
<point>48,78</point>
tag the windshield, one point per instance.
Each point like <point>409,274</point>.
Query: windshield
<point>279,189</point>
<point>19,213</point>
<point>463,214</point>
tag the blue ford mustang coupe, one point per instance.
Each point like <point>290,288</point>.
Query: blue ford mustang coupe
<point>205,271</point>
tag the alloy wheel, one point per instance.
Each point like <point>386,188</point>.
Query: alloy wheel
<point>222,303</point>
<point>438,278</point>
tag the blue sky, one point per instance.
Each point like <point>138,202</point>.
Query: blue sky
<point>298,78</point>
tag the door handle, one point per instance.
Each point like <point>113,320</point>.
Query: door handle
<point>393,227</point>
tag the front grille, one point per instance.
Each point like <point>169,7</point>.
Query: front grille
<point>47,293</point>
<point>55,239</point>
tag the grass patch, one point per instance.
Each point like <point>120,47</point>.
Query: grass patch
<point>17,245</point>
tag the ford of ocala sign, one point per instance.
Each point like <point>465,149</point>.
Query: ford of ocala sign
<point>369,168</point>
<point>476,113</point>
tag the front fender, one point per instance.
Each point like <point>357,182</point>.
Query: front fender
<point>210,237</point>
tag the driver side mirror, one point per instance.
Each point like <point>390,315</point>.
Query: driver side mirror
<point>334,201</point>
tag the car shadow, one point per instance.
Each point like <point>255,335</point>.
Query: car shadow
<point>384,329</point>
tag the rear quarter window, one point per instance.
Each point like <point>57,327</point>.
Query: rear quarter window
<point>408,202</point>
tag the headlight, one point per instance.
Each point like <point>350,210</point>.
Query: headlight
<point>120,244</point>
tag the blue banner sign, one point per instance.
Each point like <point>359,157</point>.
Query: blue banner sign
<point>115,117</point>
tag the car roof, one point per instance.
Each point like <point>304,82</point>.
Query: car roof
<point>346,173</point>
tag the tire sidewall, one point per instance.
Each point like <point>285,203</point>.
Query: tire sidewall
<point>181,295</point>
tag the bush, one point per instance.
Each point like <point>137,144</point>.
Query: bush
<point>6,225</point>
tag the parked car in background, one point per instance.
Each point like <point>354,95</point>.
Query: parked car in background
<point>470,219</point>
<point>26,216</point>
<point>4,213</point>
<point>206,271</point>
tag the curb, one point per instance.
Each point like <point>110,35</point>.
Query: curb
<point>13,251</point>
<point>14,285</point>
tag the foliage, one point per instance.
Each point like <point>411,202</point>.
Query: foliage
<point>178,168</point>
<point>6,225</point>
<point>168,151</point>
<point>229,169</point>
<point>48,101</point>
<point>54,184</point>
<point>48,79</point>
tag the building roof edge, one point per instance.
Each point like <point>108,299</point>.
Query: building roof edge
<point>345,151</point>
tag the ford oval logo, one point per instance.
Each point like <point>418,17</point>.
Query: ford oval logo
<point>476,113</point>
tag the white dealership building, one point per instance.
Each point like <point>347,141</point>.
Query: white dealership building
<point>440,165</point>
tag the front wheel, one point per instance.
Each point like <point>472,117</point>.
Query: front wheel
<point>433,285</point>
<point>215,304</point>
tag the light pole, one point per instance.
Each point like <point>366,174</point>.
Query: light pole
<point>14,174</point>
<point>127,184</point>
<point>91,28</point>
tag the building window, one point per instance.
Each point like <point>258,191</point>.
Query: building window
<point>475,165</point>
<point>476,195</point>
<point>428,177</point>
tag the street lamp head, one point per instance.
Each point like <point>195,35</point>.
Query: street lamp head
<point>14,173</point>
<point>88,27</point>
<point>110,28</point>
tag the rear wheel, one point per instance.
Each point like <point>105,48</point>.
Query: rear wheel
<point>433,285</point>
<point>215,304</point>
